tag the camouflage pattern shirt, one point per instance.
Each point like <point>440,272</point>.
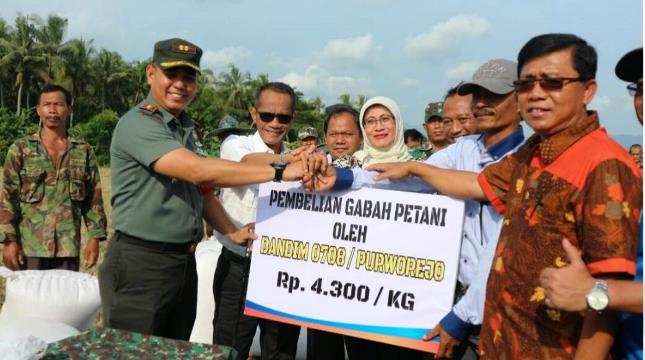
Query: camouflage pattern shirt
<point>41,206</point>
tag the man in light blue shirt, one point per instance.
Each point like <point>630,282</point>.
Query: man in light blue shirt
<point>495,108</point>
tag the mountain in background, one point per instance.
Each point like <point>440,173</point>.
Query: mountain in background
<point>627,140</point>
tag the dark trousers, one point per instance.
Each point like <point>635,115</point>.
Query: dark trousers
<point>45,263</point>
<point>148,289</point>
<point>323,345</point>
<point>232,328</point>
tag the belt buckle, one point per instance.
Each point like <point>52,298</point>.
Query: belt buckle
<point>192,247</point>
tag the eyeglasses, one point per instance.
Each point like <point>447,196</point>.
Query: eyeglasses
<point>635,89</point>
<point>282,118</point>
<point>547,84</point>
<point>384,120</point>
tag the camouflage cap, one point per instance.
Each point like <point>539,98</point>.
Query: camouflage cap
<point>434,109</point>
<point>229,124</point>
<point>307,132</point>
<point>176,52</point>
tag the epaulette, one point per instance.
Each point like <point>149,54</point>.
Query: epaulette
<point>151,108</point>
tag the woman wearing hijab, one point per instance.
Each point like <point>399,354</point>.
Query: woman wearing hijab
<point>382,127</point>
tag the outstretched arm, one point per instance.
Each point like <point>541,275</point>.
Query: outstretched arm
<point>461,184</point>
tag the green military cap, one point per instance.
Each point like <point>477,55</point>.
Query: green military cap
<point>307,132</point>
<point>176,52</point>
<point>229,124</point>
<point>434,109</point>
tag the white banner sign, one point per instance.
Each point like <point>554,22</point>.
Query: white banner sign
<point>376,264</point>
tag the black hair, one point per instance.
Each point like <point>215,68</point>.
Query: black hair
<point>278,87</point>
<point>413,134</point>
<point>49,88</point>
<point>585,59</point>
<point>336,109</point>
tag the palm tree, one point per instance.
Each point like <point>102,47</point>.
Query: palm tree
<point>50,35</point>
<point>236,88</point>
<point>77,56</point>
<point>137,82</point>
<point>5,34</point>
<point>345,99</point>
<point>108,68</point>
<point>360,100</point>
<point>20,53</point>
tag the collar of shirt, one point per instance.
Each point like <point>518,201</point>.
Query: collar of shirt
<point>260,146</point>
<point>500,149</point>
<point>36,137</point>
<point>552,147</point>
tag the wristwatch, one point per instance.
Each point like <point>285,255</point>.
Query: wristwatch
<point>598,296</point>
<point>279,167</point>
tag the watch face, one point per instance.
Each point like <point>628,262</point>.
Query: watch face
<point>597,300</point>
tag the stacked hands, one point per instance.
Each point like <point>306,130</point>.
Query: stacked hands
<point>311,167</point>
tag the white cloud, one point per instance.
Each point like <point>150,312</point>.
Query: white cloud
<point>409,82</point>
<point>463,71</point>
<point>600,103</point>
<point>225,56</point>
<point>357,49</point>
<point>336,85</point>
<point>316,81</point>
<point>307,82</point>
<point>446,36</point>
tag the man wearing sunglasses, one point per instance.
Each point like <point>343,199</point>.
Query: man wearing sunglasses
<point>273,114</point>
<point>572,288</point>
<point>148,280</point>
<point>569,180</point>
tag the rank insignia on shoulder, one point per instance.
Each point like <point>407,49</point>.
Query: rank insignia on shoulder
<point>149,107</point>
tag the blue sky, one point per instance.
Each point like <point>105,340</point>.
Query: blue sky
<point>412,51</point>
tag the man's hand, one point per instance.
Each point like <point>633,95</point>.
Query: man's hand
<point>294,171</point>
<point>447,344</point>
<point>244,235</point>
<point>320,176</point>
<point>390,171</point>
<point>567,288</point>
<point>91,253</point>
<point>300,153</point>
<point>12,255</point>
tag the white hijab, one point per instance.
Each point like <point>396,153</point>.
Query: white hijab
<point>398,152</point>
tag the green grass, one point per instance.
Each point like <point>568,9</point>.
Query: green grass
<point>106,188</point>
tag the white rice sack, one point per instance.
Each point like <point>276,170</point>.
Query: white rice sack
<point>18,329</point>
<point>206,256</point>
<point>29,348</point>
<point>60,295</point>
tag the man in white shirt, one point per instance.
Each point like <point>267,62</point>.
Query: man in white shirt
<point>273,114</point>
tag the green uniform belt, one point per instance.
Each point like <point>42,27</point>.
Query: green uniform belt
<point>155,245</point>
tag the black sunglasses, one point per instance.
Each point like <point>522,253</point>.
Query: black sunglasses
<point>547,84</point>
<point>282,118</point>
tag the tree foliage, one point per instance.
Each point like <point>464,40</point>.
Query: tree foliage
<point>35,51</point>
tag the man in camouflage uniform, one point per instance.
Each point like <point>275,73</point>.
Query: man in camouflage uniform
<point>50,182</point>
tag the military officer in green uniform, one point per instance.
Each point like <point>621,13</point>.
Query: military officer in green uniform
<point>148,280</point>
<point>50,182</point>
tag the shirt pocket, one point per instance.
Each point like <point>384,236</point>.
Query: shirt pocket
<point>78,179</point>
<point>32,177</point>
